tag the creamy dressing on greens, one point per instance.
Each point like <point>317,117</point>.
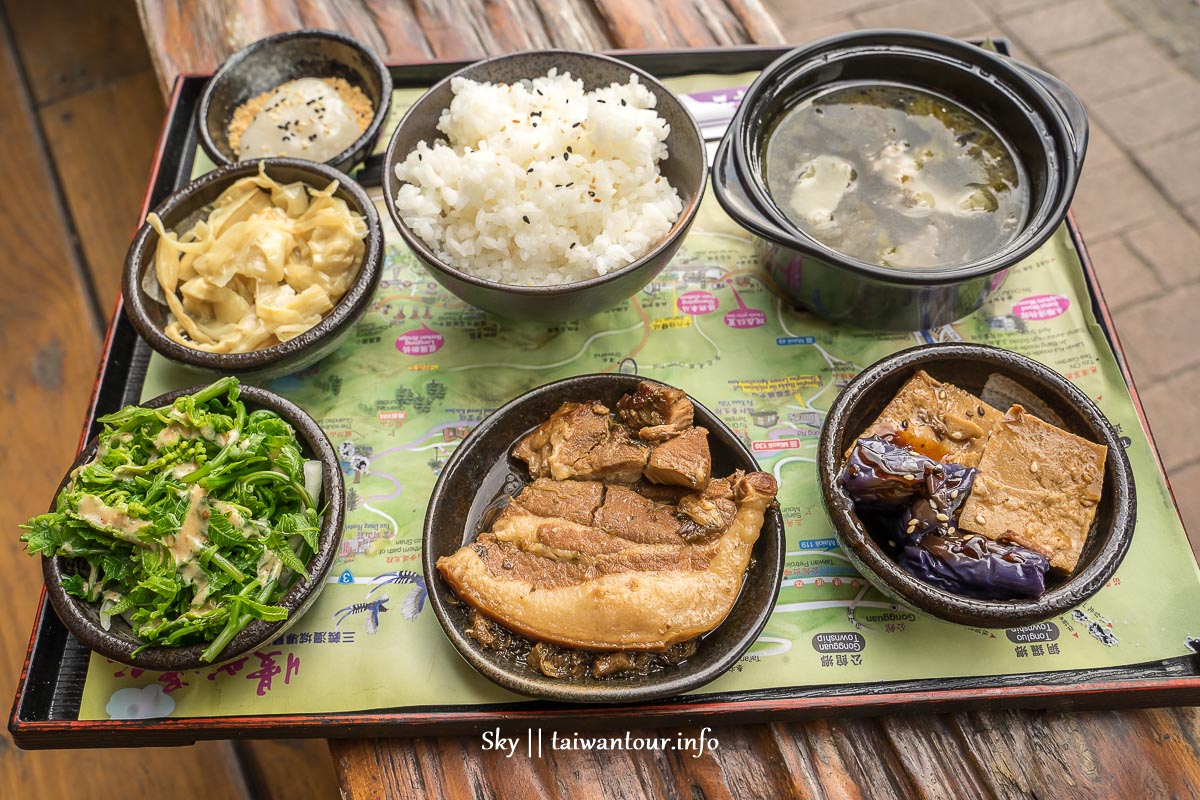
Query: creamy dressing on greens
<point>197,578</point>
<point>230,511</point>
<point>93,510</point>
<point>170,435</point>
<point>269,567</point>
<point>192,536</point>
<point>183,469</point>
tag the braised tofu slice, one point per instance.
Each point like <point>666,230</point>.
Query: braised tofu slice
<point>936,419</point>
<point>582,441</point>
<point>1037,486</point>
<point>682,461</point>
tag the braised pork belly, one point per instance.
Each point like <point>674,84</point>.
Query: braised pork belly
<point>623,546</point>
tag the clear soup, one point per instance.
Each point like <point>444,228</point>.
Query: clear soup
<point>896,176</point>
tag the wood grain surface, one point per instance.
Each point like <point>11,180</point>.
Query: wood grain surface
<point>998,754</point>
<point>193,37</point>
<point>50,342</point>
<point>80,113</point>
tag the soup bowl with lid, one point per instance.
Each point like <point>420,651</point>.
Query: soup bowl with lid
<point>1040,119</point>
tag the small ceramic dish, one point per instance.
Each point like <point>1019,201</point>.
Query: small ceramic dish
<point>275,60</point>
<point>481,469</point>
<point>183,208</point>
<point>686,168</point>
<point>969,366</point>
<point>118,642</point>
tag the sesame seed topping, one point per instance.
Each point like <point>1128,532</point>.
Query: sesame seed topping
<point>943,518</point>
<point>980,519</point>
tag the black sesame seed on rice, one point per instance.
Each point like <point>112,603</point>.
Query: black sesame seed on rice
<point>526,219</point>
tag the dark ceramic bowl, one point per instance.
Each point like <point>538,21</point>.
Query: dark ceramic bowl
<point>686,168</point>
<point>118,642</point>
<point>183,208</point>
<point>1039,116</point>
<point>968,366</point>
<point>275,60</point>
<point>481,469</point>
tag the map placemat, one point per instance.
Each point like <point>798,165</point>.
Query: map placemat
<point>423,368</point>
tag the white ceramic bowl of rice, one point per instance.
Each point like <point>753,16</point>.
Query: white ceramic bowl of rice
<point>545,185</point>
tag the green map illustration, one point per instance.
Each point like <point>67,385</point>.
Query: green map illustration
<point>422,368</point>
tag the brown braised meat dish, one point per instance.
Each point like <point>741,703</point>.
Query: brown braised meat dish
<point>622,551</point>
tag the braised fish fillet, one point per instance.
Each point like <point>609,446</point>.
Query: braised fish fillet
<point>573,584</point>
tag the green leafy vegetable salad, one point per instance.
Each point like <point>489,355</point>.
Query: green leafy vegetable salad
<point>190,521</point>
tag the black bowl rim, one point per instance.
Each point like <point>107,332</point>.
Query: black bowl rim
<point>351,305</point>
<point>663,684</point>
<point>391,184</point>
<point>297,599</point>
<point>234,61</point>
<point>966,610</point>
<point>1037,231</point>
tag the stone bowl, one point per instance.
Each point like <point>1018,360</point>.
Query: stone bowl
<point>481,468</point>
<point>119,641</point>
<point>686,168</point>
<point>968,366</point>
<point>183,208</point>
<point>275,60</point>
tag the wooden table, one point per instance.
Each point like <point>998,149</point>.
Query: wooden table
<point>1129,754</point>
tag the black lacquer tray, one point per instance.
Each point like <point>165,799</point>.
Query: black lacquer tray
<point>46,708</point>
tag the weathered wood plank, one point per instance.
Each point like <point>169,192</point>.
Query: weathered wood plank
<point>185,38</point>
<point>70,46</point>
<point>758,23</point>
<point>288,769</point>
<point>104,177</point>
<point>50,340</point>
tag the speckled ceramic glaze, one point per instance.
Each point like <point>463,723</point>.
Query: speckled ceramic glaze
<point>183,208</point>
<point>472,478</point>
<point>275,60</point>
<point>968,366</point>
<point>686,168</point>
<point>119,642</point>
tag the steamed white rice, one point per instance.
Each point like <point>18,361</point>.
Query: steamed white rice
<point>540,182</point>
